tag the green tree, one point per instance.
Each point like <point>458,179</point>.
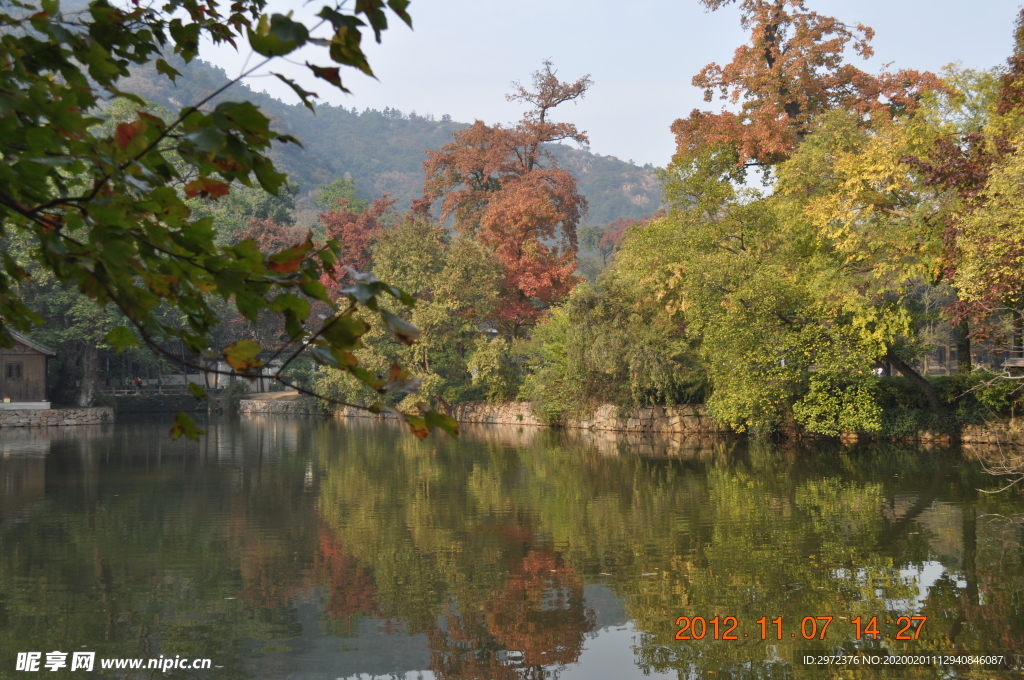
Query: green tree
<point>106,210</point>
<point>794,293</point>
<point>604,345</point>
<point>457,284</point>
<point>233,214</point>
<point>794,296</point>
<point>342,189</point>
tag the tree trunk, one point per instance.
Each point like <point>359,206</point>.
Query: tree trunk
<point>90,380</point>
<point>918,381</point>
<point>963,348</point>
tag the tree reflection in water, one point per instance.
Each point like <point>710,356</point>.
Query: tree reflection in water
<point>472,557</point>
<point>536,621</point>
<point>350,589</point>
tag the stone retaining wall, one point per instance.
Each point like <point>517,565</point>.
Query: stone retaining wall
<point>56,417</point>
<point>687,426</point>
<point>506,413</point>
<point>667,419</point>
<point>1011,433</point>
<point>686,445</point>
<point>303,406</point>
<point>682,419</point>
<point>663,419</point>
<point>292,407</point>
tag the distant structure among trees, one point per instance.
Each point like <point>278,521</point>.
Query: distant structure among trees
<point>23,370</point>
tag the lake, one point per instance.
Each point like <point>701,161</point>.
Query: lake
<point>316,549</point>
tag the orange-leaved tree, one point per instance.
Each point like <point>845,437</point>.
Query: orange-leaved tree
<point>505,188</point>
<point>792,71</point>
<point>271,235</point>
<point>355,231</point>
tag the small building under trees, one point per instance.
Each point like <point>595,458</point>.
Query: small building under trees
<point>23,370</point>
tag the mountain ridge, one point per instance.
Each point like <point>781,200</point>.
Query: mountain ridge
<point>383,151</point>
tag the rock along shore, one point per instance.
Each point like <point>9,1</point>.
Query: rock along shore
<point>668,419</point>
<point>688,420</point>
<point>58,417</point>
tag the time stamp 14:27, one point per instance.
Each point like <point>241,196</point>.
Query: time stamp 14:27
<point>811,628</point>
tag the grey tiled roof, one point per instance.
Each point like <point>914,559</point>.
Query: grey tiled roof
<point>33,344</point>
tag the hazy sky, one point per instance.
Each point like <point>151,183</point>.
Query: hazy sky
<point>463,54</point>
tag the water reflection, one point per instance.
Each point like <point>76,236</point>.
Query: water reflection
<point>305,548</point>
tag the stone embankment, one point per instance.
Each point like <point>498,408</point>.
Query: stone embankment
<point>666,419</point>
<point>1011,433</point>
<point>289,403</point>
<point>681,419</point>
<point>662,419</point>
<point>55,417</point>
<point>687,426</point>
<point>505,413</point>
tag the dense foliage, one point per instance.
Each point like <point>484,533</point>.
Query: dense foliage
<point>889,208</point>
<point>886,229</point>
<point>103,208</point>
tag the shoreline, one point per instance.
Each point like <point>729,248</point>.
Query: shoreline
<point>685,420</point>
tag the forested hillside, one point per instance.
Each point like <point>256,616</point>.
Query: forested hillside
<point>383,150</point>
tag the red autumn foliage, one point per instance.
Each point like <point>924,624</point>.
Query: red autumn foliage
<point>355,231</point>
<point>271,236</point>
<point>616,232</point>
<point>1011,91</point>
<point>503,187</point>
<point>350,585</point>
<point>792,71</point>
<point>612,238</point>
<point>460,650</point>
<point>540,611</point>
<point>536,620</point>
<point>962,165</point>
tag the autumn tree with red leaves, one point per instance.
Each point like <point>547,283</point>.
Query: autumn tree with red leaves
<point>502,186</point>
<point>617,229</point>
<point>272,236</point>
<point>979,168</point>
<point>355,231</point>
<point>775,287</point>
<point>540,611</point>
<point>792,71</point>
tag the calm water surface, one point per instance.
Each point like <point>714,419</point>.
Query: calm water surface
<point>313,549</point>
